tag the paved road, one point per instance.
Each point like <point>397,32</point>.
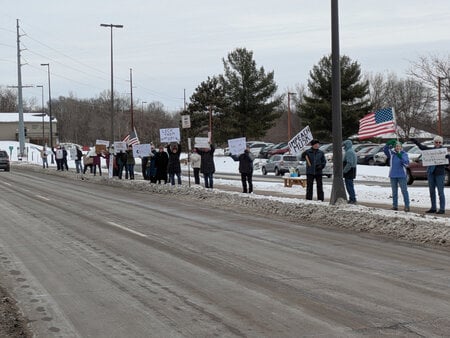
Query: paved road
<point>87,260</point>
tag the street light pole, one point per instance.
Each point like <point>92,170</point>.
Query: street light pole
<point>43,114</point>
<point>111,26</point>
<point>142,113</point>
<point>49,107</point>
<point>289,115</point>
<point>439,107</point>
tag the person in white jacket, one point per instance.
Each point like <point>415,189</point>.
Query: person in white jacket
<point>196,160</point>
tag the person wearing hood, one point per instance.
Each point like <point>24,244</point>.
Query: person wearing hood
<point>349,170</point>
<point>315,162</point>
<point>399,160</point>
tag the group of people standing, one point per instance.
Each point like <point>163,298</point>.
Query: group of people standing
<point>398,161</point>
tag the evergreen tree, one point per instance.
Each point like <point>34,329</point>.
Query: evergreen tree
<point>250,96</point>
<point>315,111</point>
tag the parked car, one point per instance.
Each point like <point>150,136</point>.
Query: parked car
<point>366,155</point>
<point>279,164</point>
<point>416,171</point>
<point>264,152</point>
<point>327,171</point>
<point>256,147</point>
<point>281,148</point>
<point>4,161</point>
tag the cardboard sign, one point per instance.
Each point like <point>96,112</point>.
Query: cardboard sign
<point>169,135</point>
<point>185,121</point>
<point>237,145</point>
<point>102,142</point>
<point>201,142</point>
<point>141,150</point>
<point>100,148</point>
<point>434,157</point>
<point>120,147</point>
<point>300,140</point>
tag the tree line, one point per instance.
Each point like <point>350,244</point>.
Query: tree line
<point>244,101</point>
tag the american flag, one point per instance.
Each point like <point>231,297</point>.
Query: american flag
<point>131,138</point>
<point>377,123</point>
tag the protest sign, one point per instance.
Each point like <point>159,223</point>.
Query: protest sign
<point>169,135</point>
<point>201,142</point>
<point>120,147</point>
<point>434,157</point>
<point>237,145</point>
<point>102,142</point>
<point>141,150</point>
<point>300,140</point>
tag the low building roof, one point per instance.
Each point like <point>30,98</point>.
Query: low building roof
<point>27,117</point>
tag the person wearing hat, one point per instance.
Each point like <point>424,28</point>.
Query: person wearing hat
<point>436,177</point>
<point>399,160</point>
<point>315,162</point>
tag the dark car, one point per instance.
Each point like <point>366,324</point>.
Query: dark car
<point>280,149</point>
<point>4,160</point>
<point>416,171</point>
<point>366,155</point>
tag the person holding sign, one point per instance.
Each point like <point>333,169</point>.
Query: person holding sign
<point>207,167</point>
<point>196,162</point>
<point>399,160</point>
<point>436,176</point>
<point>245,169</point>
<point>315,162</point>
<point>174,167</point>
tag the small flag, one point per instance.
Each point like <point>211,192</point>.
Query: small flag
<point>377,123</point>
<point>131,138</point>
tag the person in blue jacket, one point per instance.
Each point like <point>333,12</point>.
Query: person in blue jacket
<point>315,162</point>
<point>349,170</point>
<point>399,160</point>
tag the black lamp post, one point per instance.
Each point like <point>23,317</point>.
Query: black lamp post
<point>112,77</point>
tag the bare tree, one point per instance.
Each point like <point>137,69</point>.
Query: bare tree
<point>411,99</point>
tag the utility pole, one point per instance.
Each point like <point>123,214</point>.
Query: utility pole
<point>131,104</point>
<point>338,189</point>
<point>20,99</point>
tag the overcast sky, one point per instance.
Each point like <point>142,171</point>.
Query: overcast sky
<point>174,45</point>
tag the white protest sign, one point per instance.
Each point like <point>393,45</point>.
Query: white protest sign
<point>300,140</point>
<point>120,146</point>
<point>102,142</point>
<point>141,150</point>
<point>169,135</point>
<point>434,157</point>
<point>237,145</point>
<point>201,142</point>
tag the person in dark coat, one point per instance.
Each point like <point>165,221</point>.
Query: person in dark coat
<point>246,169</point>
<point>315,162</point>
<point>130,162</point>
<point>121,159</point>
<point>78,158</point>
<point>207,167</point>
<point>151,165</point>
<point>161,162</point>
<point>174,167</point>
<point>349,170</point>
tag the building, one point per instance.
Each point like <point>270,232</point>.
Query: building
<point>37,128</point>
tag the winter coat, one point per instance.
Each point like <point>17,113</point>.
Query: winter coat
<point>79,155</point>
<point>174,166</point>
<point>350,160</point>
<point>196,160</point>
<point>207,163</point>
<point>315,161</point>
<point>246,162</point>
<point>161,162</point>
<point>398,162</point>
<point>130,157</point>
